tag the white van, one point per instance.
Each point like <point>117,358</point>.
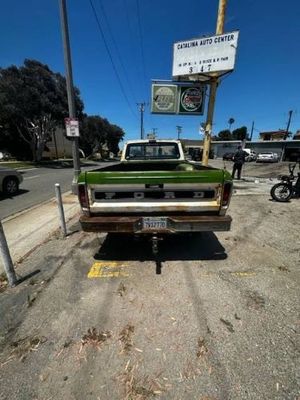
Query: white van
<point>251,154</point>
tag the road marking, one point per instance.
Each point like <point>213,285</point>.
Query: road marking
<point>108,269</point>
<point>32,177</point>
<point>243,273</point>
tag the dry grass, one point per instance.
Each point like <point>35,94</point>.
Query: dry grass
<point>95,338</point>
<point>22,347</point>
<point>3,283</point>
<point>121,289</point>
<point>228,325</point>
<point>125,338</point>
<point>136,388</point>
<point>284,268</point>
<point>201,348</point>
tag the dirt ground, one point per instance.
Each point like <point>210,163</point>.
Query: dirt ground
<point>253,169</point>
<point>220,322</point>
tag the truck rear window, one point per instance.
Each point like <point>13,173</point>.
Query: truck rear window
<point>152,151</point>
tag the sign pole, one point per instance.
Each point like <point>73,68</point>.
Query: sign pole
<point>213,89</point>
<point>70,89</point>
<point>142,110</point>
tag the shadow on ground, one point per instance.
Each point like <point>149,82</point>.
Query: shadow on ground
<point>200,246</point>
<point>19,193</point>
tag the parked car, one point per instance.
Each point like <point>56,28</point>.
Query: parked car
<point>251,155</point>
<point>10,180</point>
<point>4,155</point>
<point>267,157</point>
<point>228,156</point>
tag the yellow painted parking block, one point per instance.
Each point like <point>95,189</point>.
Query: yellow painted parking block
<point>108,269</point>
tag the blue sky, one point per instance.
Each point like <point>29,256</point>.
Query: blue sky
<point>264,86</point>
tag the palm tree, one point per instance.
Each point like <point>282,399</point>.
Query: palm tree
<point>230,122</point>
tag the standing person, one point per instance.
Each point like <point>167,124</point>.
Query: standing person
<point>238,159</point>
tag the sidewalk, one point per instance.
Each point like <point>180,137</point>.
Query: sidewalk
<point>28,229</point>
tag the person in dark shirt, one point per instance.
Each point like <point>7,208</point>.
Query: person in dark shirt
<point>238,159</point>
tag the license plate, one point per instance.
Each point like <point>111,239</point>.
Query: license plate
<point>151,223</point>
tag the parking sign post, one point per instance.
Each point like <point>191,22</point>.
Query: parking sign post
<point>70,90</point>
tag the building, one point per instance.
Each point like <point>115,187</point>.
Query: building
<point>297,135</point>
<point>59,146</point>
<point>190,145</point>
<point>273,135</point>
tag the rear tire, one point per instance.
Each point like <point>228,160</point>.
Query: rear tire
<point>10,186</point>
<point>281,192</point>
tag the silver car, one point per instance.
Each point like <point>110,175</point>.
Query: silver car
<point>267,157</point>
<point>10,180</point>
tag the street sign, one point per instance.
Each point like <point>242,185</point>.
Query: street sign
<point>164,99</point>
<point>204,56</point>
<point>72,127</point>
<point>191,100</point>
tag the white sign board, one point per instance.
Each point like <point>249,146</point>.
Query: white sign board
<point>205,55</point>
<point>72,127</point>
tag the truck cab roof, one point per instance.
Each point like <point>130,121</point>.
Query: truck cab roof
<point>152,150</point>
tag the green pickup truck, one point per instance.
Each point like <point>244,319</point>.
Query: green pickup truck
<point>154,190</point>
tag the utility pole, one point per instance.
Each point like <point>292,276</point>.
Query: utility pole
<point>154,130</point>
<point>179,130</point>
<point>252,129</point>
<point>142,110</point>
<point>70,88</point>
<point>288,124</point>
<point>213,88</point>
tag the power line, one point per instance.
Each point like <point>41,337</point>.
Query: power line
<point>111,59</point>
<point>116,49</point>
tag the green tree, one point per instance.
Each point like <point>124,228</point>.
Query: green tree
<point>33,102</point>
<point>240,133</point>
<point>225,135</point>
<point>98,134</point>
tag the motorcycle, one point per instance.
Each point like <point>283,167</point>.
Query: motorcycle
<point>288,187</point>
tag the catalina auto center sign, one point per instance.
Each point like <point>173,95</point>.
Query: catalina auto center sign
<point>205,55</point>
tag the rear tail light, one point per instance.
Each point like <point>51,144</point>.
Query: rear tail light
<point>83,196</point>
<point>226,193</point>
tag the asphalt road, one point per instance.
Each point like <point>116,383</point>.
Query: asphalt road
<point>221,321</point>
<point>38,186</point>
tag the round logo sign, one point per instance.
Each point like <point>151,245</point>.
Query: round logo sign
<point>191,99</point>
<point>164,99</point>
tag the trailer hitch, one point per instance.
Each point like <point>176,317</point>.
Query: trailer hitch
<point>155,240</point>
